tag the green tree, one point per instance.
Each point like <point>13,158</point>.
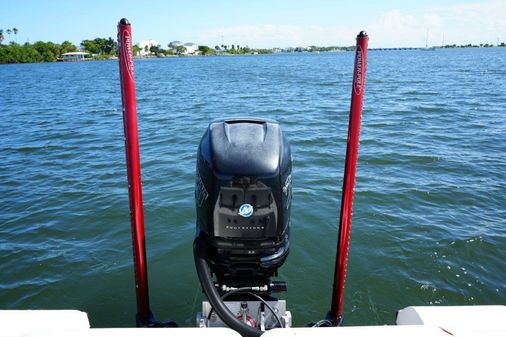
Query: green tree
<point>157,50</point>
<point>14,53</point>
<point>179,50</point>
<point>100,46</point>
<point>110,46</point>
<point>67,47</point>
<point>9,32</point>
<point>46,51</point>
<point>205,50</point>
<point>136,49</point>
<point>90,46</point>
<point>15,31</point>
<point>1,36</point>
<point>30,54</point>
<point>217,47</point>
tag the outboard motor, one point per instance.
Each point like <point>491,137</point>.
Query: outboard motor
<point>243,195</point>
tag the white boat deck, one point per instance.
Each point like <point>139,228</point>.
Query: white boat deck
<point>461,321</point>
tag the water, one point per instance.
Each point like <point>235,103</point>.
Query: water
<point>429,220</point>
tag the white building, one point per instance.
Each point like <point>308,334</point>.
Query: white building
<point>145,45</point>
<point>191,48</point>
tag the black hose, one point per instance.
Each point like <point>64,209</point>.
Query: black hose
<point>214,298</point>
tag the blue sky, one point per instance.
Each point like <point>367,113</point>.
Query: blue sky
<point>261,23</point>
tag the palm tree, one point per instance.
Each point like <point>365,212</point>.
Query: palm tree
<point>15,31</point>
<point>1,36</point>
<point>9,32</point>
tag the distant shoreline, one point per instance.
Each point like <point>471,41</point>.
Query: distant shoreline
<point>224,54</point>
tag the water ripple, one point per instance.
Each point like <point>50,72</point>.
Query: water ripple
<point>429,213</point>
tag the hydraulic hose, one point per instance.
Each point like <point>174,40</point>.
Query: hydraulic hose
<point>214,297</point>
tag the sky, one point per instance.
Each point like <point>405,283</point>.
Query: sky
<point>261,23</point>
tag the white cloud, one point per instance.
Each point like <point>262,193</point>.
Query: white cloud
<point>274,35</point>
<point>395,29</point>
<point>480,22</point>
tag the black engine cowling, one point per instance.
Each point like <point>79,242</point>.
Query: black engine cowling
<point>243,196</point>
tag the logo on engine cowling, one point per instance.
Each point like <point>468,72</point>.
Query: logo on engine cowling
<point>246,210</point>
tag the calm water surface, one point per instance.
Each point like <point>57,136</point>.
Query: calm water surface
<point>429,220</point>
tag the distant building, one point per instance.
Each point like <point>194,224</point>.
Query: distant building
<point>191,48</point>
<point>145,45</point>
<point>74,56</point>
<point>302,49</point>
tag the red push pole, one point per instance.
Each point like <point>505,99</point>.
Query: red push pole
<point>126,70</point>
<point>357,97</point>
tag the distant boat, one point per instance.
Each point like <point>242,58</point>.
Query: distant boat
<point>427,48</point>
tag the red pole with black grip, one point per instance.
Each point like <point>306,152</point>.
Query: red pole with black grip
<point>126,69</point>
<point>357,97</point>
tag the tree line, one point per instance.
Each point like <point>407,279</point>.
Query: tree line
<point>177,50</point>
<point>40,51</point>
<point>37,52</point>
